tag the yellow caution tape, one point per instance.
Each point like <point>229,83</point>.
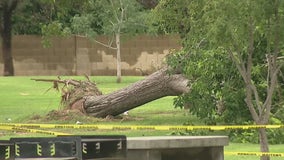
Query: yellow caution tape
<point>40,131</point>
<point>21,129</point>
<point>31,129</point>
<point>255,154</point>
<point>138,127</point>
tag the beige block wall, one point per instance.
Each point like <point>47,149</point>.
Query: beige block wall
<point>78,56</point>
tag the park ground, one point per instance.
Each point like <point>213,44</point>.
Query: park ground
<point>23,100</point>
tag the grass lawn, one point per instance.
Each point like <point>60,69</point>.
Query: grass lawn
<point>21,99</point>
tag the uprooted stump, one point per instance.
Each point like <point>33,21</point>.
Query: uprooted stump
<point>86,97</point>
<point>73,91</point>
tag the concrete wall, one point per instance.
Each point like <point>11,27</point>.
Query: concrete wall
<point>78,56</point>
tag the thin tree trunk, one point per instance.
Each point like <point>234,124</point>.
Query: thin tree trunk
<point>118,57</point>
<point>263,143</point>
<point>155,86</point>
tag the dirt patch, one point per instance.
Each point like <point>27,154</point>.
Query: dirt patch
<point>67,116</point>
<point>63,115</point>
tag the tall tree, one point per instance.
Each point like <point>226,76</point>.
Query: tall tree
<point>248,34</point>
<point>6,12</point>
<point>113,18</point>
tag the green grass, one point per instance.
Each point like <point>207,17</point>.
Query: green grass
<point>21,99</point>
<point>245,147</point>
<point>21,96</point>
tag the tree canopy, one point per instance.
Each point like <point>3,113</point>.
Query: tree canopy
<point>101,17</point>
<point>224,33</point>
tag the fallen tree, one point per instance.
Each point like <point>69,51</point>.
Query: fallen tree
<point>86,97</point>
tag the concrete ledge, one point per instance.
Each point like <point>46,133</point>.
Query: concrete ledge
<point>176,142</point>
<point>177,148</point>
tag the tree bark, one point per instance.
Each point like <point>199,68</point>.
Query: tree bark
<point>155,86</point>
<point>118,57</point>
<point>6,34</point>
<point>263,143</point>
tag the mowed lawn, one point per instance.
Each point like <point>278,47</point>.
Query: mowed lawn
<point>21,99</point>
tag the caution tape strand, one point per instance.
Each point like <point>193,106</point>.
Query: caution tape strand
<point>255,154</point>
<point>28,130</point>
<point>33,128</point>
<point>139,127</point>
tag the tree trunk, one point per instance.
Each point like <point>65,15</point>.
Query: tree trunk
<point>155,86</point>
<point>6,34</point>
<point>7,53</point>
<point>263,143</point>
<point>118,57</point>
